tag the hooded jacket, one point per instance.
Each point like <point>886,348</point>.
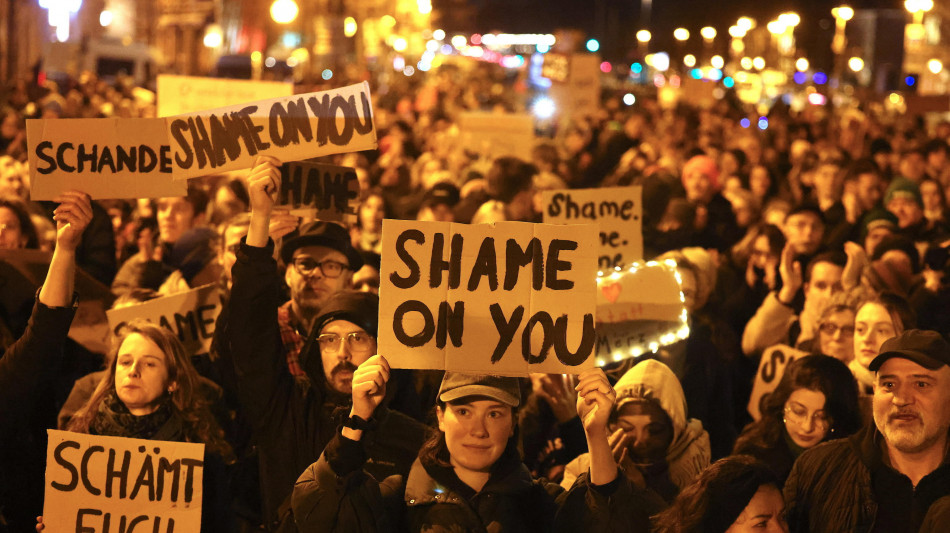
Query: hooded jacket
<point>689,453</point>
<point>293,420</point>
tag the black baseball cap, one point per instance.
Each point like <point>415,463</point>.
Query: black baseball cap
<point>926,348</point>
<point>319,233</point>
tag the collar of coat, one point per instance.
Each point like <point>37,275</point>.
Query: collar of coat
<point>428,484</point>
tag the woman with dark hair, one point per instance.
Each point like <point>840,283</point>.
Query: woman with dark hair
<point>734,495</point>
<point>16,228</point>
<point>469,475</point>
<point>816,400</point>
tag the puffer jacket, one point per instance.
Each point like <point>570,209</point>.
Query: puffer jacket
<point>292,420</point>
<point>830,488</point>
<point>334,494</point>
<point>689,453</point>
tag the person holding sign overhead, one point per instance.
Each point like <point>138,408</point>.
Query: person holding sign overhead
<point>293,417</point>
<point>28,360</point>
<point>469,475</point>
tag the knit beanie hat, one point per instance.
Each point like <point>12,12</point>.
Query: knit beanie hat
<point>877,217</point>
<point>360,308</point>
<point>705,165</point>
<point>903,188</point>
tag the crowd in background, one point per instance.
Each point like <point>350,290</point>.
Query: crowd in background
<point>827,233</point>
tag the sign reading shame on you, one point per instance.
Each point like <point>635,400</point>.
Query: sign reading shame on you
<point>98,484</point>
<point>504,298</point>
<point>108,158</point>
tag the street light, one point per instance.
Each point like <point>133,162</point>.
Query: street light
<point>284,11</point>
<point>917,8</point>
<point>708,33</point>
<point>644,36</point>
<point>681,34</point>
<point>801,64</point>
<point>856,64</point>
<point>935,66</point>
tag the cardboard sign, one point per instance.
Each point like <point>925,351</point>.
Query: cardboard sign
<point>328,192</point>
<point>617,211</point>
<point>129,158</point>
<point>96,483</point>
<point>639,309</point>
<point>498,134</point>
<point>579,94</point>
<point>187,94</point>
<point>103,157</point>
<point>506,298</point>
<point>191,315</point>
<point>771,369</point>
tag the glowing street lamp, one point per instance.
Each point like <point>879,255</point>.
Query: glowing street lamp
<point>681,34</point>
<point>918,8</point>
<point>284,11</point>
<point>746,23</point>
<point>708,33</point>
<point>801,64</point>
<point>856,64</point>
<point>935,66</point>
<point>644,36</point>
<point>349,26</point>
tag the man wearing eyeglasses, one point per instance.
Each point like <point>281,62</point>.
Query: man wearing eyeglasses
<point>885,477</point>
<point>293,417</point>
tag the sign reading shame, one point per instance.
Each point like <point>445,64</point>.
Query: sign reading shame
<point>504,298</point>
<point>104,484</point>
<point>332,192</point>
<point>191,315</point>
<point>617,211</point>
<point>126,158</point>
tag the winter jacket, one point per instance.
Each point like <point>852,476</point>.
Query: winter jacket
<point>32,359</point>
<point>689,453</point>
<point>292,420</point>
<point>831,487</point>
<point>772,324</point>
<point>335,495</point>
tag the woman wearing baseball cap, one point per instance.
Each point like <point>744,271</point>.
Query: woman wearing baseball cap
<point>469,475</point>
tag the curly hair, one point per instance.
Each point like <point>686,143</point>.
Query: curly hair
<point>27,229</point>
<point>718,496</point>
<point>819,373</point>
<point>186,400</point>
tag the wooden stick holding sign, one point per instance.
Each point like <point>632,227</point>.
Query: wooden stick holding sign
<point>328,192</point>
<point>129,158</point>
<point>191,315</point>
<point>96,483</point>
<point>506,298</point>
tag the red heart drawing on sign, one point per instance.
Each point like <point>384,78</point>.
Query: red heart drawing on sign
<point>611,292</point>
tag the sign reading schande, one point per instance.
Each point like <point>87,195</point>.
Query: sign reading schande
<point>96,483</point>
<point>505,298</point>
<point>123,158</point>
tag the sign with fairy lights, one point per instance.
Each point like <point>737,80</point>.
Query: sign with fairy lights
<point>639,310</point>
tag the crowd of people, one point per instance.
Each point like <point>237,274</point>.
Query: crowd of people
<point>826,236</point>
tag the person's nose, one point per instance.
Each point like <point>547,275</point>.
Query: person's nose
<point>136,369</point>
<point>901,396</point>
<point>479,428</point>
<point>344,354</point>
<point>808,424</point>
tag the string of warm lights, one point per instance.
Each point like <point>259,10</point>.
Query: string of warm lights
<point>678,331</point>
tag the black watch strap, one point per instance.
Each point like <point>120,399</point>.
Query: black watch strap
<point>356,423</point>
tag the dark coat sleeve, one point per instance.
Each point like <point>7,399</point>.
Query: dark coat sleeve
<point>27,360</point>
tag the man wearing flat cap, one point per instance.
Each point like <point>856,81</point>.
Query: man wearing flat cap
<point>884,478</point>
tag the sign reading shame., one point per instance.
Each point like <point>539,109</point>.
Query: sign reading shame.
<point>617,211</point>
<point>127,158</point>
<point>190,315</point>
<point>329,192</point>
<point>104,484</point>
<point>505,298</point>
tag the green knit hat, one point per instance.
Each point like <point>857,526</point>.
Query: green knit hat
<point>903,188</point>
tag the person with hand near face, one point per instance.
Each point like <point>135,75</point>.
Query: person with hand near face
<point>815,401</point>
<point>654,442</point>
<point>736,494</point>
<point>886,476</point>
<point>294,414</point>
<point>469,475</point>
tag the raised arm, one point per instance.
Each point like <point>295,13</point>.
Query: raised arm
<point>595,400</point>
<point>72,216</point>
<point>263,184</point>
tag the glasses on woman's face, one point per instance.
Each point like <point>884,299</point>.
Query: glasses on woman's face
<point>358,342</point>
<point>306,266</point>
<point>832,329</point>
<point>798,414</point>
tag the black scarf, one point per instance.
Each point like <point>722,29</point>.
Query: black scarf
<point>114,419</point>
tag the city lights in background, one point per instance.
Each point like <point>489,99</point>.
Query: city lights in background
<point>424,6</point>
<point>543,108</point>
<point>708,33</point>
<point>717,62</point>
<point>438,35</point>
<point>661,61</point>
<point>593,45</point>
<point>105,18</point>
<point>856,64</point>
<point>935,66</point>
<point>759,63</point>
<point>801,64</point>
<point>59,14</point>
<point>681,34</point>
<point>400,44</point>
<point>459,41</point>
<point>349,26</point>
<point>284,11</point>
<point>644,36</point>
<point>213,36</point>
<point>629,99</point>
<point>689,60</point>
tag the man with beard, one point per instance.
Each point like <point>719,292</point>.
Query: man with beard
<point>885,477</point>
<point>293,418</point>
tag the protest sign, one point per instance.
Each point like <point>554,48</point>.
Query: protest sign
<point>556,67</point>
<point>328,192</point>
<point>191,315</point>
<point>617,211</point>
<point>771,369</point>
<point>96,483</point>
<point>129,158</point>
<point>187,94</point>
<point>505,298</point>
<point>639,309</point>
<point>578,93</point>
<point>103,157</point>
<point>497,134</point>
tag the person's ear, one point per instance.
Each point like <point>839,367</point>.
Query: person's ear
<point>287,274</point>
<point>173,386</point>
<point>440,414</point>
